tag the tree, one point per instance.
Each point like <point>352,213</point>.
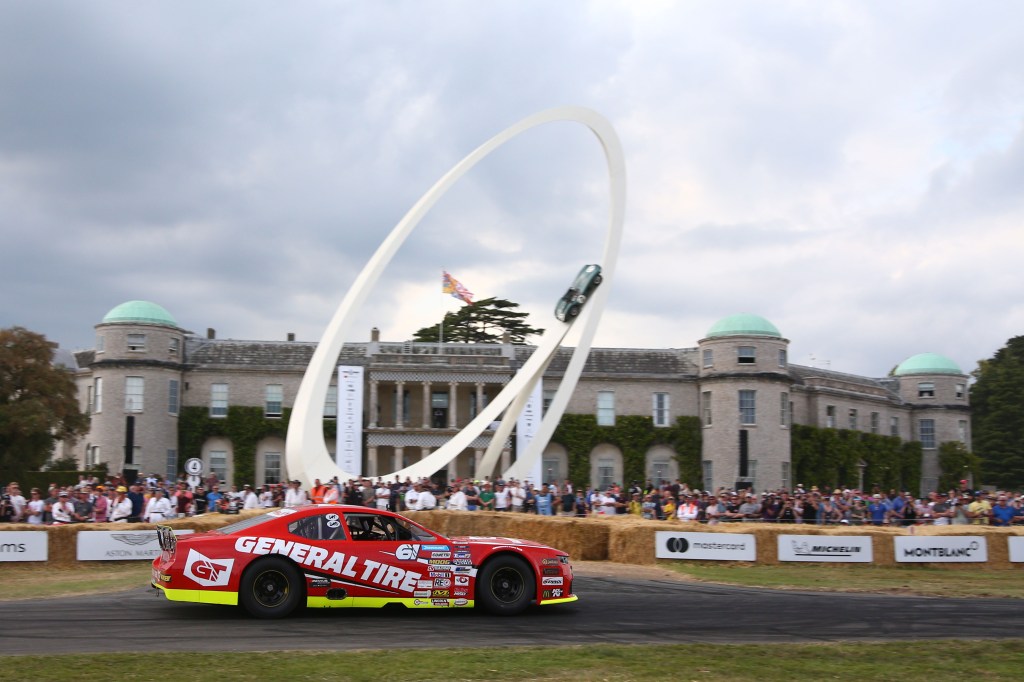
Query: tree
<point>956,463</point>
<point>997,403</point>
<point>485,321</point>
<point>38,403</point>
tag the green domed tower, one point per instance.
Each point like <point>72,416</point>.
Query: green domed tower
<point>744,403</point>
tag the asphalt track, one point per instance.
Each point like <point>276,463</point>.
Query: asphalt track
<point>617,610</point>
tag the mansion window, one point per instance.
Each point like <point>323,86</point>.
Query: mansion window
<point>660,409</point>
<point>173,399</point>
<point>748,407</point>
<point>219,400</point>
<point>709,357</point>
<point>830,416</point>
<point>746,355</point>
<point>926,389</point>
<point>274,400</point>
<point>137,342</point>
<point>134,387</point>
<point>605,408</point>
<point>926,433</point>
<point>705,405</point>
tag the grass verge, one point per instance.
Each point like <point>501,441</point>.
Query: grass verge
<point>38,582</point>
<point>911,580</point>
<point>905,661</point>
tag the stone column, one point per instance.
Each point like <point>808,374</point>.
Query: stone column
<point>453,405</point>
<point>424,453</point>
<point>399,460</point>
<point>506,459</point>
<point>479,398</point>
<point>478,455</point>
<point>400,404</point>
<point>371,461</point>
<point>374,407</point>
<point>426,405</point>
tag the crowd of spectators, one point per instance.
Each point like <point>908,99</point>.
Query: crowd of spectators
<point>153,499</point>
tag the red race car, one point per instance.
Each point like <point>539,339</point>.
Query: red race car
<point>339,556</point>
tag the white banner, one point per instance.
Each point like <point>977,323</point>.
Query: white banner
<point>834,548</point>
<point>705,546</point>
<point>28,545</point>
<point>119,545</point>
<point>526,427</point>
<point>941,548</point>
<point>349,455</point>
<point>1016,546</point>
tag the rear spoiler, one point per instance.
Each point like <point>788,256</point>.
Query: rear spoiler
<point>165,534</point>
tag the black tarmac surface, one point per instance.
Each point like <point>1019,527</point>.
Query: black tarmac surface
<point>609,610</point>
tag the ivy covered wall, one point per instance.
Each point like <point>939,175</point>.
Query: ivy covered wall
<point>634,436</point>
<point>831,457</point>
<point>245,427</point>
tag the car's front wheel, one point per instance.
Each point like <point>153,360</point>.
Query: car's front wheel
<point>271,588</point>
<point>506,585</point>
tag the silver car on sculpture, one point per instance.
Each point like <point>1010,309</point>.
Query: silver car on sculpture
<point>583,286</point>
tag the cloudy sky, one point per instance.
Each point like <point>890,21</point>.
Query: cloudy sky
<point>852,171</point>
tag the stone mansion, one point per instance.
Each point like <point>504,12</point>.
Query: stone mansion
<point>738,380</point>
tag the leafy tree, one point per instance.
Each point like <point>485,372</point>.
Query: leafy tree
<point>485,321</point>
<point>956,463</point>
<point>997,402</point>
<point>38,404</point>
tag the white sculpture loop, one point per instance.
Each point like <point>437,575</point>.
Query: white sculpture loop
<point>307,456</point>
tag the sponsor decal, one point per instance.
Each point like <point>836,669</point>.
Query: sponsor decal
<point>551,581</point>
<point>462,580</point>
<point>835,549</point>
<point>462,569</point>
<point>462,562</point>
<point>441,593</point>
<point>164,578</point>
<point>420,602</point>
<point>282,512</point>
<point>440,574</point>
<point>462,555</point>
<point>435,548</point>
<point>705,546</point>
<point>333,521</point>
<point>941,548</point>
<point>442,582</point>
<point>421,593</point>
<point>553,594</point>
<point>461,602</point>
<point>440,555</point>
<point>440,602</point>
<point>550,561</point>
<point>363,569</point>
<point>424,584</point>
<point>439,562</point>
<point>206,571</point>
<point>461,548</point>
<point>551,571</point>
<point>459,593</point>
<point>320,582</point>
<point>407,552</point>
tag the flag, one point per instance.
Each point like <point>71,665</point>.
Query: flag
<point>450,285</point>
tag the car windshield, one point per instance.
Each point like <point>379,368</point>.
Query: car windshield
<point>583,278</point>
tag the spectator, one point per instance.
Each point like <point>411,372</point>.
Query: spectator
<point>1002,513</point>
<point>63,511</point>
<point>200,505</point>
<point>689,510</point>
<point>295,495</point>
<point>121,506</point>
<point>82,506</point>
<point>428,500</point>
<point>250,500</point>
<point>980,510</point>
<point>518,496</point>
<point>35,508</point>
<point>545,501</point>
<point>214,497</point>
<point>878,511</point>
<point>750,510</point>
<point>487,498</point>
<point>101,505</point>
<point>382,495</point>
<point>138,502</point>
<point>457,500</point>
<point>158,508</point>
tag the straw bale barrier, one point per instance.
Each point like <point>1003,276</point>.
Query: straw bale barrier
<point>623,539</point>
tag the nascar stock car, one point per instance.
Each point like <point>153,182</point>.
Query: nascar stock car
<point>338,556</point>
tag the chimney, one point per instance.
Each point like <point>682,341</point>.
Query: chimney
<point>211,333</point>
<point>375,335</point>
<point>291,336</point>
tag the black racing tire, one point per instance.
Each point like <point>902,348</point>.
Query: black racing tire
<point>271,588</point>
<point>573,311</point>
<point>505,585</point>
<point>598,280</point>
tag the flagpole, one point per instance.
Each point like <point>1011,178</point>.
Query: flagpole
<point>440,335</point>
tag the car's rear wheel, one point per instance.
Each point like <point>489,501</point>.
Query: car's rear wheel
<point>271,588</point>
<point>573,311</point>
<point>598,280</point>
<point>506,585</point>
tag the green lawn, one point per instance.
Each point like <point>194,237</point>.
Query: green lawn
<point>917,580</point>
<point>904,661</point>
